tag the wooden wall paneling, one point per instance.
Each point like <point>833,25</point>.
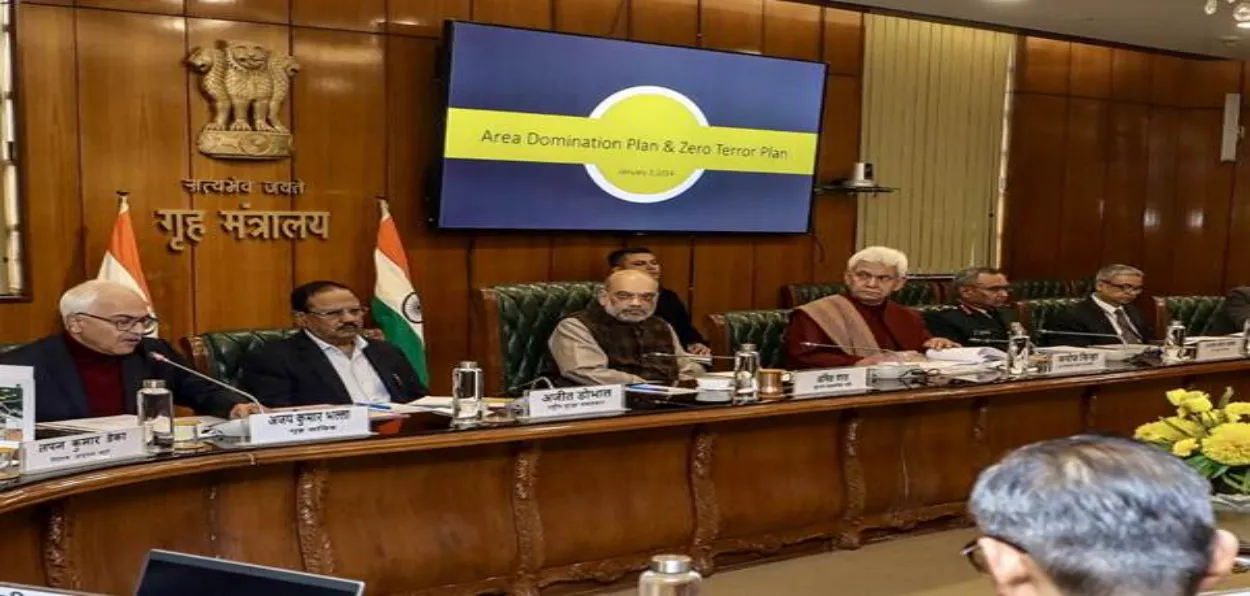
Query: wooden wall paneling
<point>793,30</point>
<point>1085,153</point>
<point>1160,216</point>
<point>340,151</point>
<point>360,15</point>
<point>1205,82</point>
<point>577,256</point>
<point>1204,190</point>
<point>136,140</point>
<point>1125,186</point>
<point>1017,420</point>
<point>675,255</point>
<point>1165,79</point>
<point>1131,407</point>
<point>1091,71</point>
<point>833,215</point>
<point>1237,269</point>
<point>48,103</point>
<point>1035,185</point>
<point>664,21</point>
<point>535,14</point>
<point>23,551</point>
<point>1045,66</point>
<point>438,262</point>
<point>940,449</point>
<point>843,41</point>
<point>424,18</point>
<point>260,11</point>
<point>178,518</point>
<point>601,18</point>
<point>723,265</point>
<point>450,507</point>
<point>145,6</point>
<point>223,264</point>
<point>1130,75</point>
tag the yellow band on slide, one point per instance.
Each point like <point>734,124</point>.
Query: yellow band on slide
<point>654,138</point>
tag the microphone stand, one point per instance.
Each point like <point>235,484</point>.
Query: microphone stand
<point>1084,334</point>
<point>158,357</point>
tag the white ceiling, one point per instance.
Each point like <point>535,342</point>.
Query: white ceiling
<point>1177,25</point>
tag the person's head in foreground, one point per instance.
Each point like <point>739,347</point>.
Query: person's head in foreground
<point>629,295</point>
<point>1097,516</point>
<point>874,273</point>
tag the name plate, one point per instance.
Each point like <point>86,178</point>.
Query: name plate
<point>576,401</point>
<point>1218,349</point>
<point>308,425</point>
<point>20,590</point>
<point>81,450</point>
<point>1067,363</point>
<point>829,380</point>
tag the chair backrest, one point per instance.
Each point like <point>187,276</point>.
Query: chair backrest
<point>914,293</point>
<point>1081,287</point>
<point>220,354</point>
<point>1035,314</point>
<point>1196,312</point>
<point>1037,289</point>
<point>764,328</point>
<point>516,321</point>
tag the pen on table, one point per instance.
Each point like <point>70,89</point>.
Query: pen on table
<point>383,407</point>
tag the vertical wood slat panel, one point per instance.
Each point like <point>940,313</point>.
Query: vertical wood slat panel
<point>221,261</point>
<point>358,15</point>
<point>1081,210</point>
<point>1126,184</point>
<point>1160,216</point>
<point>424,18</point>
<point>1034,181</point>
<point>258,11</point>
<point>1204,192</point>
<point>138,143</point>
<point>834,216</point>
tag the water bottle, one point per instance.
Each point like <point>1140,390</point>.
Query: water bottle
<point>467,409</point>
<point>1245,337</point>
<point>156,415</point>
<point>746,365</point>
<point>1174,343</point>
<point>1019,351</point>
<point>670,575</point>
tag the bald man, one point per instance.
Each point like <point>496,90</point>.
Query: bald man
<point>611,342</point>
<point>97,365</point>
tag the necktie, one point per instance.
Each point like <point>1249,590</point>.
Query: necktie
<point>1127,332</point>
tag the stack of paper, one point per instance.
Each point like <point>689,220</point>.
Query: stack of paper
<point>967,355</point>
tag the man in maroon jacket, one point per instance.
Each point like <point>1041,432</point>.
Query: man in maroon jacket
<point>864,325</point>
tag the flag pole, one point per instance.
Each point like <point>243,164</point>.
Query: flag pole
<point>383,204</point>
<point>123,198</point>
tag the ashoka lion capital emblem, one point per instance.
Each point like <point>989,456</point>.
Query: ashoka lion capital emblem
<point>246,84</point>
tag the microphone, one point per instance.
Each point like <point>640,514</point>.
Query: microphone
<point>531,384</point>
<point>1084,334</point>
<point>159,357</point>
<point>812,344</point>
<point>978,340</point>
<point>691,356</point>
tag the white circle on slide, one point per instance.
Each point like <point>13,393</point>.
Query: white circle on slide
<point>633,197</point>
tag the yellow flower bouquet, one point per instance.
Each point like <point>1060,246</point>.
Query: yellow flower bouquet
<point>1210,437</point>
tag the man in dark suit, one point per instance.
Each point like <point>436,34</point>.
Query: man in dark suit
<point>329,361</point>
<point>96,367</point>
<point>669,306</point>
<point>979,317</point>
<point>1233,315</point>
<point>1109,313</point>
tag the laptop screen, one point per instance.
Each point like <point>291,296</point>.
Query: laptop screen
<point>168,574</point>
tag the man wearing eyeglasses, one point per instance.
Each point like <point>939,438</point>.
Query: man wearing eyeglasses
<point>862,327</point>
<point>618,340</point>
<point>979,318</point>
<point>1097,515</point>
<point>1108,316</point>
<point>329,361</point>
<point>96,367</point>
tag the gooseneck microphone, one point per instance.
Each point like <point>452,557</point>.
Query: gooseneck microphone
<point>1084,334</point>
<point>690,356</point>
<point>157,356</point>
<point>812,344</point>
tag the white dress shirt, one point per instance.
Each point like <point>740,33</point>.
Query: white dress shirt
<point>1110,310</point>
<point>362,381</point>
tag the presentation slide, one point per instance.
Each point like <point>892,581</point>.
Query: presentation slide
<point>548,131</point>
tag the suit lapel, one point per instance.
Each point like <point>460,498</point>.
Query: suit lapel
<point>71,384</point>
<point>376,359</point>
<point>134,370</point>
<point>311,354</point>
<point>1097,318</point>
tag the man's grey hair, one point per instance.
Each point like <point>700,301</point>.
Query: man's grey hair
<point>880,255</point>
<point>968,277</point>
<point>1110,271</point>
<point>1103,516</point>
<point>82,297</point>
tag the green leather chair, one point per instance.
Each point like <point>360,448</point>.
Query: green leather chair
<point>1196,312</point>
<point>764,328</point>
<point>1034,314</point>
<point>515,323</point>
<point>1036,289</point>
<point>1080,288</point>
<point>914,293</point>
<point>219,354</point>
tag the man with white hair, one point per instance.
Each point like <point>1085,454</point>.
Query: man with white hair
<point>862,327</point>
<point>97,365</point>
<point>1107,314</point>
<point>618,340</point>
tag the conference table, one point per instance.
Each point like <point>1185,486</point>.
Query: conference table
<point>567,506</point>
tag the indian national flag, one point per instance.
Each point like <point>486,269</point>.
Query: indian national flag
<point>396,307</point>
<point>121,262</point>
